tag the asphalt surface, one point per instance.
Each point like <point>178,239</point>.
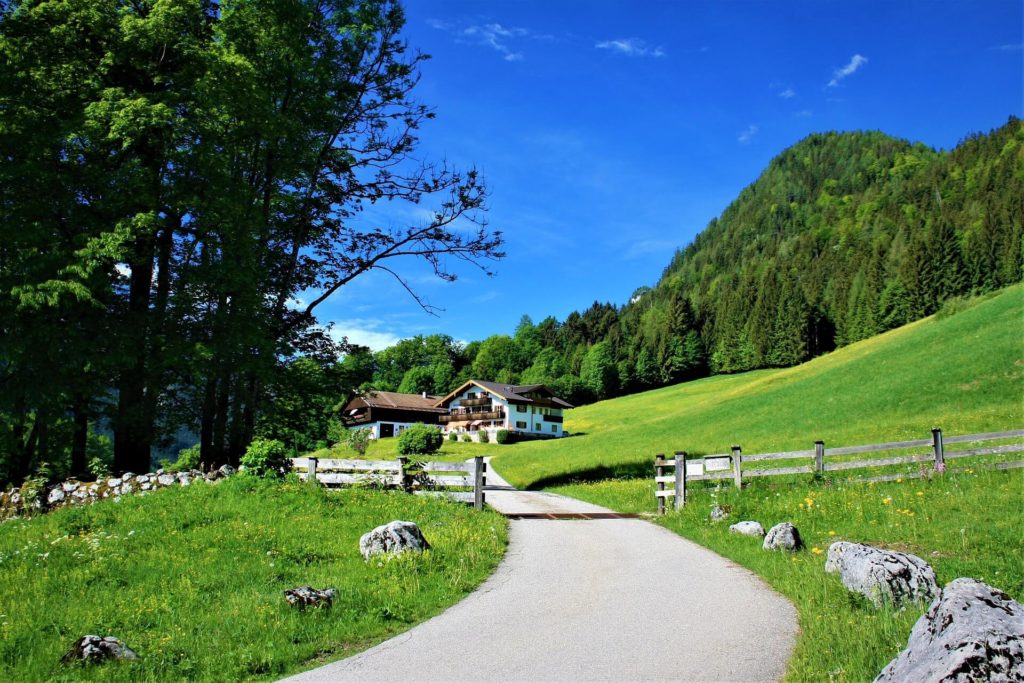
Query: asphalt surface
<point>592,600</point>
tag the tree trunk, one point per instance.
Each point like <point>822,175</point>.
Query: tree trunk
<point>133,428</point>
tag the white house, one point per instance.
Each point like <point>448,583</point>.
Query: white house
<point>530,409</point>
<point>388,413</point>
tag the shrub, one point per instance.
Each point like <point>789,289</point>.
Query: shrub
<point>420,439</point>
<point>188,459</point>
<point>484,436</point>
<point>503,436</point>
<point>453,436</point>
<point>336,432</point>
<point>266,458</point>
<point>358,440</point>
<point>466,438</point>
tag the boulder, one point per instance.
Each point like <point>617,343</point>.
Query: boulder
<point>747,528</point>
<point>166,479</point>
<point>70,486</point>
<point>396,537</point>
<point>971,632</point>
<point>783,536</point>
<point>56,496</point>
<point>718,513</point>
<point>883,576</point>
<point>97,649</point>
<point>307,596</point>
<point>226,470</point>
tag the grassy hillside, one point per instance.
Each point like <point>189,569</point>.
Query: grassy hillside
<point>962,370</point>
<point>192,579</point>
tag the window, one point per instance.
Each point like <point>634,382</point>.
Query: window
<point>554,428</point>
<point>520,409</point>
<point>520,425</point>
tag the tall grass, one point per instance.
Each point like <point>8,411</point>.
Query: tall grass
<point>192,579</point>
<point>963,372</point>
<point>964,524</point>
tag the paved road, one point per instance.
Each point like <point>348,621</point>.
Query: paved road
<point>596,600</point>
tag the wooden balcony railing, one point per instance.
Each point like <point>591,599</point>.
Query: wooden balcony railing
<point>470,417</point>
<point>475,402</point>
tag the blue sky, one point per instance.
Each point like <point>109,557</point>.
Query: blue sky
<point>610,133</point>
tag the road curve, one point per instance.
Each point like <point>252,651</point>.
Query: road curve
<point>592,600</point>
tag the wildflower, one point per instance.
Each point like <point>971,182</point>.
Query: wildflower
<point>941,467</point>
<point>899,480</point>
<point>887,501</point>
<point>810,502</point>
<point>831,533</point>
<point>920,493</point>
<point>816,550</point>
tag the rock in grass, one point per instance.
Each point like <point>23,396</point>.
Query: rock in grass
<point>783,536</point>
<point>748,528</point>
<point>94,649</point>
<point>396,537</point>
<point>718,513</point>
<point>307,596</point>
<point>971,632</point>
<point>882,576</point>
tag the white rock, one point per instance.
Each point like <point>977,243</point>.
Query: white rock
<point>748,528</point>
<point>56,496</point>
<point>882,576</point>
<point>783,536</point>
<point>396,537</point>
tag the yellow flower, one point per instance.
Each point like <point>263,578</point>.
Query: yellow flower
<point>816,550</point>
<point>810,502</point>
<point>887,501</point>
<point>920,493</point>
<point>831,533</point>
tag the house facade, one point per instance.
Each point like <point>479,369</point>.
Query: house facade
<point>531,410</point>
<point>388,413</point>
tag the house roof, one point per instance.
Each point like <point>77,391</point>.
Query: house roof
<point>395,400</point>
<point>513,393</point>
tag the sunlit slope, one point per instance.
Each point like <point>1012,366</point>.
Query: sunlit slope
<point>963,372</point>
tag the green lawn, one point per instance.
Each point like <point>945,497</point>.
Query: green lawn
<point>964,373</point>
<point>192,579</point>
<point>964,524</point>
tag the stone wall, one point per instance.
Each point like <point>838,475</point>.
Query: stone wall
<point>29,500</point>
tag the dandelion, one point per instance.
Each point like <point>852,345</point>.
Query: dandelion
<point>816,550</point>
<point>831,533</point>
<point>887,501</point>
<point>899,481</point>
<point>920,493</point>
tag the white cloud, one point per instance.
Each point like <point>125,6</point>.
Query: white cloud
<point>747,135</point>
<point>495,36</point>
<point>803,114</point>
<point>642,248</point>
<point>1008,47</point>
<point>856,62</point>
<point>632,47</point>
<point>788,93</point>
<point>363,332</point>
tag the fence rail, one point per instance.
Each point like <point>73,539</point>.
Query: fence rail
<point>721,466</point>
<point>411,476</point>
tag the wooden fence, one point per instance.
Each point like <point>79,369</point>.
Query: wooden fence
<point>409,475</point>
<point>730,465</point>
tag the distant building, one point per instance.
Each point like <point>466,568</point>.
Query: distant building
<point>388,413</point>
<point>529,409</point>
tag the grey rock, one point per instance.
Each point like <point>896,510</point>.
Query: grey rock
<point>96,649</point>
<point>748,528</point>
<point>70,486</point>
<point>127,476</point>
<point>56,496</point>
<point>146,486</point>
<point>882,576</point>
<point>184,478</point>
<point>307,596</point>
<point>971,632</point>
<point>113,482</point>
<point>166,479</point>
<point>160,471</point>
<point>783,536</point>
<point>396,537</point>
<point>226,470</point>
<point>81,494</point>
<point>718,513</point>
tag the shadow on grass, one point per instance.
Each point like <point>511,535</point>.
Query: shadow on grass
<point>629,470</point>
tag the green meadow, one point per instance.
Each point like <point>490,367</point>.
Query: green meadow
<point>192,579</point>
<point>962,371</point>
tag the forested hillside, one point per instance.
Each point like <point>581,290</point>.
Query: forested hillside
<point>843,236</point>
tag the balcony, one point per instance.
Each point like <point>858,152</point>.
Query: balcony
<point>553,418</point>
<point>471,417</point>
<point>470,402</point>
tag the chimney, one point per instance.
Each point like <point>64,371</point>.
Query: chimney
<point>424,394</point>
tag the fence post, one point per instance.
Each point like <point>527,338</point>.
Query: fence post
<point>311,470</point>
<point>940,455</point>
<point>659,471</point>
<point>403,475</point>
<point>737,458</point>
<point>478,482</point>
<point>680,479</point>
<point>819,457</point>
